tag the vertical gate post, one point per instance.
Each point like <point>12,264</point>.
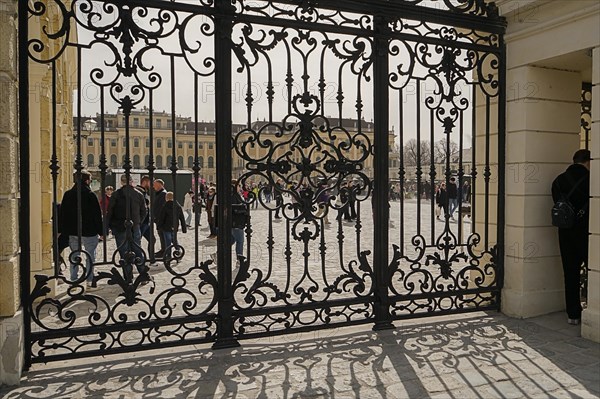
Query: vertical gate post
<point>501,216</point>
<point>223,50</point>
<point>381,210</point>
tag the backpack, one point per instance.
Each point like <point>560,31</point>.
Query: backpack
<point>564,215</point>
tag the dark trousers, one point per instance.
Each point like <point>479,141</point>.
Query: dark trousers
<point>125,246</point>
<point>352,209</point>
<point>574,253</point>
<point>147,234</point>
<point>211,224</point>
<point>278,204</point>
<point>145,230</point>
<point>161,237</point>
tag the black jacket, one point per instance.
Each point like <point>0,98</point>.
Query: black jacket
<point>165,219</point>
<point>240,215</point>
<point>452,190</point>
<point>91,214</point>
<point>441,197</point>
<point>160,198</point>
<point>146,196</point>
<point>117,208</point>
<point>580,198</point>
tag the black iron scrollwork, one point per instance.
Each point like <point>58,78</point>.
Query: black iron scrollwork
<point>313,154</point>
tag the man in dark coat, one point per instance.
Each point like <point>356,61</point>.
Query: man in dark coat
<point>452,191</point>
<point>118,216</point>
<point>441,200</point>
<point>466,192</point>
<point>144,189</point>
<point>156,206</point>
<point>573,242</point>
<point>345,199</point>
<point>89,215</point>
<point>170,218</point>
<point>277,192</point>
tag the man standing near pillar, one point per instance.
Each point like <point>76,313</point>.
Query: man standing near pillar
<point>573,186</point>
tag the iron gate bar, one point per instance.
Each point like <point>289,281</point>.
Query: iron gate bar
<point>446,312</point>
<point>54,171</point>
<point>433,295</point>
<point>304,306</point>
<point>474,159</point>
<point>320,27</point>
<point>79,331</point>
<point>487,173</point>
<point>103,169</point>
<point>398,11</point>
<point>501,211</point>
<point>381,211</point>
<point>307,328</point>
<point>488,21</point>
<point>120,350</point>
<point>223,130</point>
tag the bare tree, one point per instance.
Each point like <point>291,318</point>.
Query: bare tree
<point>410,153</point>
<point>442,151</point>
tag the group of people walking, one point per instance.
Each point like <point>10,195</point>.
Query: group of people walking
<point>448,198</point>
<point>128,213</point>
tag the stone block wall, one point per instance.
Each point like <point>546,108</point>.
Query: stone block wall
<point>11,321</point>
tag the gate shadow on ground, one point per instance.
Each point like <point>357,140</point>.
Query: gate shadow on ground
<point>481,357</point>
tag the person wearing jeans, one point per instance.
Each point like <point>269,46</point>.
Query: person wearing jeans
<point>169,220</point>
<point>83,218</point>
<point>452,197</point>
<point>134,246</point>
<point>123,222</point>
<point>237,236</point>
<point>144,189</point>
<point>159,203</point>
<point>188,208</point>
<point>89,245</point>
<point>240,217</point>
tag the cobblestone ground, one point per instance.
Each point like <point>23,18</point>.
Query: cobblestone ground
<point>475,356</point>
<point>315,270</point>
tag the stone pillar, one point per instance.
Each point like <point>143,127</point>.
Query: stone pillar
<point>40,153</point>
<point>484,219</point>
<point>11,320</point>
<point>543,124</point>
<point>590,328</point>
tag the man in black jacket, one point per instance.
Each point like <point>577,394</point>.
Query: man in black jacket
<point>169,220</point>
<point>452,192</point>
<point>144,189</point>
<point>157,206</point>
<point>89,217</point>
<point>118,218</point>
<point>573,242</point>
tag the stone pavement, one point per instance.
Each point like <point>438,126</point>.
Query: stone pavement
<point>323,266</point>
<point>477,355</point>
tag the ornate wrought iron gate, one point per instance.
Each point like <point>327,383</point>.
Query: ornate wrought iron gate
<point>341,122</point>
